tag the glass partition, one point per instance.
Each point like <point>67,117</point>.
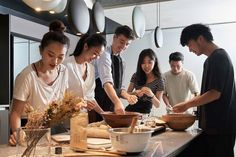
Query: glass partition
<point>24,51</point>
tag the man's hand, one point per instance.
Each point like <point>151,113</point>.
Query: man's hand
<point>119,108</point>
<point>180,107</point>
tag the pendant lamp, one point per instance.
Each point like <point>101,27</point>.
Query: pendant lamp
<point>42,5</point>
<point>138,22</point>
<point>98,17</point>
<point>60,7</point>
<point>158,35</point>
<point>78,16</point>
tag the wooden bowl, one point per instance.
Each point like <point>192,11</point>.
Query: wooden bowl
<point>179,122</point>
<point>119,120</point>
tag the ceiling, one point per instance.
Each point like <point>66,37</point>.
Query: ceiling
<point>108,4</point>
<point>20,9</point>
<point>173,13</point>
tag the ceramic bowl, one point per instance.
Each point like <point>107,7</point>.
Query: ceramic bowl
<point>119,120</point>
<point>179,122</point>
<point>122,140</point>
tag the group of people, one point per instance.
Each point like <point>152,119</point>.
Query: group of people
<point>95,72</point>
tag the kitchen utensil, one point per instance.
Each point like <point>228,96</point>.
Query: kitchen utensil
<point>101,151</point>
<point>133,124</point>
<point>98,143</point>
<point>119,120</point>
<point>89,154</point>
<point>169,109</point>
<point>122,140</point>
<point>179,122</point>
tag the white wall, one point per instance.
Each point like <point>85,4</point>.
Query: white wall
<point>178,13</point>
<point>35,30</point>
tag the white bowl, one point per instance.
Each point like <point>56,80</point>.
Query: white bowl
<point>135,142</point>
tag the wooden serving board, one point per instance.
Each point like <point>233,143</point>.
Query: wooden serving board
<point>93,143</point>
<point>61,138</point>
<point>156,129</point>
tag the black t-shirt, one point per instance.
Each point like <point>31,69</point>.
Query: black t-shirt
<point>219,116</point>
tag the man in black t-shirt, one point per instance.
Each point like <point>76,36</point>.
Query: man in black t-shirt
<point>217,101</point>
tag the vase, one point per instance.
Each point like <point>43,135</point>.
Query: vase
<point>33,142</point>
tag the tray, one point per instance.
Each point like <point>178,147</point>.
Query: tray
<point>156,129</point>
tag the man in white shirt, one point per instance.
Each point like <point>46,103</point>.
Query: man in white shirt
<point>180,84</point>
<point>109,73</point>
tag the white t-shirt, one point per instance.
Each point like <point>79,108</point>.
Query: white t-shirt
<point>28,87</point>
<point>180,88</point>
<point>77,85</point>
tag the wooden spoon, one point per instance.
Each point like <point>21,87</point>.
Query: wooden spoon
<point>133,124</point>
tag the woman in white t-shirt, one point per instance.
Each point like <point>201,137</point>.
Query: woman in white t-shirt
<point>41,82</point>
<point>81,71</point>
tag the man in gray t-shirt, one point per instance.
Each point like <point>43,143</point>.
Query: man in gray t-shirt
<point>180,84</point>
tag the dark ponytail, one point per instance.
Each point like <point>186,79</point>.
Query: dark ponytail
<point>92,41</point>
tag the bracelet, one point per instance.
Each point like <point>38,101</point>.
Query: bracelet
<point>152,96</point>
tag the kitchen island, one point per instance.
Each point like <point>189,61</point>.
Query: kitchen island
<point>166,144</point>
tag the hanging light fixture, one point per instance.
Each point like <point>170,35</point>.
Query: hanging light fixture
<point>158,35</point>
<point>42,5</point>
<point>98,17</point>
<point>60,7</point>
<point>78,16</point>
<point>138,22</point>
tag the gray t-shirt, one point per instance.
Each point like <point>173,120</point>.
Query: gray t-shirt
<point>179,88</point>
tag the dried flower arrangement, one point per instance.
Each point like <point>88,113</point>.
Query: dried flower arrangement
<point>56,112</point>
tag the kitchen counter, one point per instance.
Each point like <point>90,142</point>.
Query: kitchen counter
<point>166,144</point>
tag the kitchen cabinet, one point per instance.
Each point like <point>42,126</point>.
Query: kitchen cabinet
<point>5,76</point>
<point>5,60</point>
<point>4,125</point>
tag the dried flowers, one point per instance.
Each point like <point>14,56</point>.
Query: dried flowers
<point>56,112</point>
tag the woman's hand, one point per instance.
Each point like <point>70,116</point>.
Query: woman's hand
<point>139,93</point>
<point>91,105</point>
<point>147,91</point>
<point>12,139</point>
<point>132,99</point>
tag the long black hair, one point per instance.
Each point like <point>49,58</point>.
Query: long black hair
<point>92,41</point>
<point>140,74</point>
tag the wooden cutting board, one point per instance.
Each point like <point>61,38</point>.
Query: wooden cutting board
<point>98,143</point>
<point>93,143</point>
<point>61,138</point>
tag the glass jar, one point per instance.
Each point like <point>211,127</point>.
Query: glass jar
<point>78,131</point>
<point>33,142</point>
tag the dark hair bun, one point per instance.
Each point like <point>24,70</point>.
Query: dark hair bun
<point>57,26</point>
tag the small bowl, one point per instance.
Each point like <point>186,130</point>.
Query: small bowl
<point>179,122</point>
<point>124,141</point>
<point>119,120</point>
